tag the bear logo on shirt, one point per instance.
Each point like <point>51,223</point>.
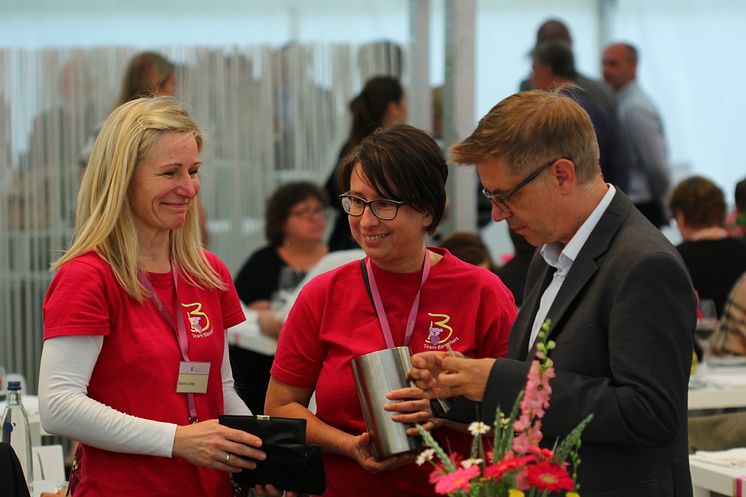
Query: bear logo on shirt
<point>439,333</point>
<point>199,322</point>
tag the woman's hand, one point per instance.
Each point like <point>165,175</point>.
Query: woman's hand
<point>411,407</point>
<point>360,451</point>
<point>270,323</point>
<point>212,445</point>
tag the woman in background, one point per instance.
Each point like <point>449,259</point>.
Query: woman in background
<point>135,358</point>
<point>714,259</point>
<point>381,103</point>
<point>294,225</point>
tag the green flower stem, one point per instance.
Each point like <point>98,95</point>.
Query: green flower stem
<point>430,442</point>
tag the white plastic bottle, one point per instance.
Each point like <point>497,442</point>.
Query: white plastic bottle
<point>15,429</point>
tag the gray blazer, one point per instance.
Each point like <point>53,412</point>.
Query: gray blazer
<point>623,323</point>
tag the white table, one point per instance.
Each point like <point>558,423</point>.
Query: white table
<point>717,387</point>
<point>247,336</point>
<point>708,477</point>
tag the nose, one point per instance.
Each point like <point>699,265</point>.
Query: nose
<point>500,214</point>
<point>367,218</point>
<point>188,187</point>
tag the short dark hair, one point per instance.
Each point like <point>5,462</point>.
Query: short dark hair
<point>402,163</point>
<point>553,29</point>
<point>700,201</point>
<point>282,202</point>
<point>741,195</point>
<point>557,55</point>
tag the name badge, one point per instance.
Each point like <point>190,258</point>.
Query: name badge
<point>193,377</point>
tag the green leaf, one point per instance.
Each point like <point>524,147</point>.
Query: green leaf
<point>571,441</point>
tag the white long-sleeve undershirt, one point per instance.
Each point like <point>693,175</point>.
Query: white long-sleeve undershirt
<point>65,409</point>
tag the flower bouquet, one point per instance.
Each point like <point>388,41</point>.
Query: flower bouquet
<point>516,465</point>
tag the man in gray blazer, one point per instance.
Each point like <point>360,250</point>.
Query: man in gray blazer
<point>621,304</point>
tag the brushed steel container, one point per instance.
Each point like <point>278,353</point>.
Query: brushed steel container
<point>376,374</point>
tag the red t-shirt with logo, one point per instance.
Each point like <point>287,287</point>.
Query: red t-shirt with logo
<point>137,368</point>
<point>333,321</point>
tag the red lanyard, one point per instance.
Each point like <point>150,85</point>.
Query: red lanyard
<point>376,296</point>
<point>179,329</point>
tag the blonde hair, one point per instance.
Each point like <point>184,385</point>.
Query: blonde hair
<point>530,128</point>
<point>104,220</point>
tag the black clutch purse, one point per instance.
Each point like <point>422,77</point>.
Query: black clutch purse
<point>291,464</point>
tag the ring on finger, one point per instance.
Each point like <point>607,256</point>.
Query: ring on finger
<point>227,457</point>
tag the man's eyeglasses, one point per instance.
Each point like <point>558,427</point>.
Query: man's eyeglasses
<point>501,199</point>
<point>383,208</point>
<point>310,213</point>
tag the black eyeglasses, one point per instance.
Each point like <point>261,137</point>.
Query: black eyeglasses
<point>501,199</point>
<point>383,208</point>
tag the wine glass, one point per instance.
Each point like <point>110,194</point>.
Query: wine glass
<point>286,283</point>
<point>707,323</point>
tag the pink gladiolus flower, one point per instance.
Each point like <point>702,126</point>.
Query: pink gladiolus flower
<point>458,480</point>
<point>533,406</point>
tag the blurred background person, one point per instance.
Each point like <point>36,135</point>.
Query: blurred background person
<point>147,74</point>
<point>730,336</point>
<point>642,125</point>
<point>381,103</point>
<point>736,219</point>
<point>714,259</point>
<point>294,225</point>
<point>728,430</point>
<point>598,92</point>
<point>394,186</point>
<point>136,275</point>
<point>553,66</point>
<point>469,247</point>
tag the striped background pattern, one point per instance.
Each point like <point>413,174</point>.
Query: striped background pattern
<point>270,115</point>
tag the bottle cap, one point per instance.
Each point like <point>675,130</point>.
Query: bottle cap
<point>14,385</point>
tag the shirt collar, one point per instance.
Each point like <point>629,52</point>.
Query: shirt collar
<point>562,258</point>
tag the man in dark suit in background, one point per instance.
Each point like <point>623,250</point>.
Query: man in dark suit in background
<point>556,30</point>
<point>554,66</point>
<point>621,304</point>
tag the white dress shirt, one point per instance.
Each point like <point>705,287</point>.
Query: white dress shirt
<point>562,258</point>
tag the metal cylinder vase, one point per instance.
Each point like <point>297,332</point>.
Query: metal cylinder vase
<point>376,374</point>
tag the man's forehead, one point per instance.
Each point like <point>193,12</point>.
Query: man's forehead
<point>493,172</point>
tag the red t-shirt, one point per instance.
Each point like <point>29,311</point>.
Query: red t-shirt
<point>137,368</point>
<point>333,321</point>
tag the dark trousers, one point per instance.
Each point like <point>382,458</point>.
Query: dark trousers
<point>251,376</point>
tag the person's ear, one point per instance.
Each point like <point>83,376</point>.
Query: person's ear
<point>563,173</point>
<point>427,220</point>
<point>680,220</point>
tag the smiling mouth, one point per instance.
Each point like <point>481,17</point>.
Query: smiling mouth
<point>373,238</point>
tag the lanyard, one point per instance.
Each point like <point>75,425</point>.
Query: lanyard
<point>179,329</point>
<point>376,296</point>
